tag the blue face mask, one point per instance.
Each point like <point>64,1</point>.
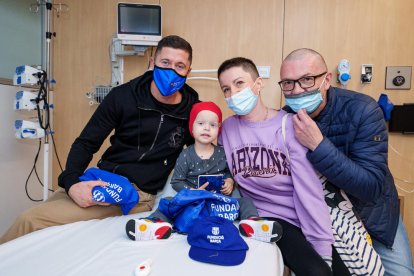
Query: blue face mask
<point>167,80</point>
<point>243,102</point>
<point>309,100</point>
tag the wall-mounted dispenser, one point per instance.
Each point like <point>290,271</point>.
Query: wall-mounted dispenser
<point>343,72</point>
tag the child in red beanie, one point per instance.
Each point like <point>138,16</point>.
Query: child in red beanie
<point>204,158</point>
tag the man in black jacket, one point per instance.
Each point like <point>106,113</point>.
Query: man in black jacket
<point>150,117</point>
<point>347,139</point>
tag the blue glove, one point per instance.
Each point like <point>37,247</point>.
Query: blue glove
<point>386,106</point>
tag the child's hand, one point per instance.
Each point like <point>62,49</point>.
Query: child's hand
<point>203,187</point>
<point>227,188</point>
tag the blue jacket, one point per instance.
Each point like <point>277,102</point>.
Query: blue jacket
<point>354,157</point>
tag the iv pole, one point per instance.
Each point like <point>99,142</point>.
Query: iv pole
<point>47,66</point>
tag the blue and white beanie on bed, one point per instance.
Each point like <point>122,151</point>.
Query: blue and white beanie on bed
<point>118,191</point>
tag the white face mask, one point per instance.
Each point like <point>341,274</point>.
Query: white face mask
<point>243,102</point>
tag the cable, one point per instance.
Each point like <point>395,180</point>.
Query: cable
<point>402,180</point>
<point>149,58</point>
<point>202,78</point>
<point>399,154</point>
<point>54,148</point>
<point>42,96</point>
<point>31,171</point>
<point>44,122</point>
<point>402,189</point>
<point>283,48</point>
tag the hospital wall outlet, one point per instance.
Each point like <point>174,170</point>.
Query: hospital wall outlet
<point>398,77</point>
<point>264,71</point>
<point>366,73</point>
<point>99,93</point>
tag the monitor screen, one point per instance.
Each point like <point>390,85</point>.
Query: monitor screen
<point>139,24</point>
<point>402,119</point>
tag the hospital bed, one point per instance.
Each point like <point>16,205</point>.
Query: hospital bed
<point>101,247</point>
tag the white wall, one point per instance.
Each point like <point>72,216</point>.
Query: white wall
<point>16,161</point>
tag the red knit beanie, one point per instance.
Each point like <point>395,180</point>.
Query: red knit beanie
<point>198,107</point>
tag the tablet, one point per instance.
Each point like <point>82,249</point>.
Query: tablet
<point>215,182</point>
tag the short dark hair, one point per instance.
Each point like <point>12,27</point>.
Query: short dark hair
<point>176,42</point>
<point>245,63</point>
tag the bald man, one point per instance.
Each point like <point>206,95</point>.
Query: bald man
<point>347,139</point>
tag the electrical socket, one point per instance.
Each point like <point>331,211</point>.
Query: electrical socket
<point>366,73</point>
<point>398,77</point>
<point>264,71</point>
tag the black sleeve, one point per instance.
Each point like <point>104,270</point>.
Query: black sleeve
<point>100,125</point>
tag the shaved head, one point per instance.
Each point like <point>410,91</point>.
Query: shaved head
<point>302,53</point>
<point>302,63</point>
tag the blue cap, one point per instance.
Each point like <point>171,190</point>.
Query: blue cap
<point>118,191</point>
<point>216,240</point>
<point>345,76</point>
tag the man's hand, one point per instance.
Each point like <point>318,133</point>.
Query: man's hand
<point>81,193</point>
<point>306,130</point>
<point>227,188</point>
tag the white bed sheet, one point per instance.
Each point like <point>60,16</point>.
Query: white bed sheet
<point>101,247</point>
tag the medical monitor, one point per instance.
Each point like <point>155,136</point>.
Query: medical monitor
<point>402,119</point>
<point>139,24</point>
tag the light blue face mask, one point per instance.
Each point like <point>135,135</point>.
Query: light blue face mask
<point>309,100</point>
<point>243,102</point>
